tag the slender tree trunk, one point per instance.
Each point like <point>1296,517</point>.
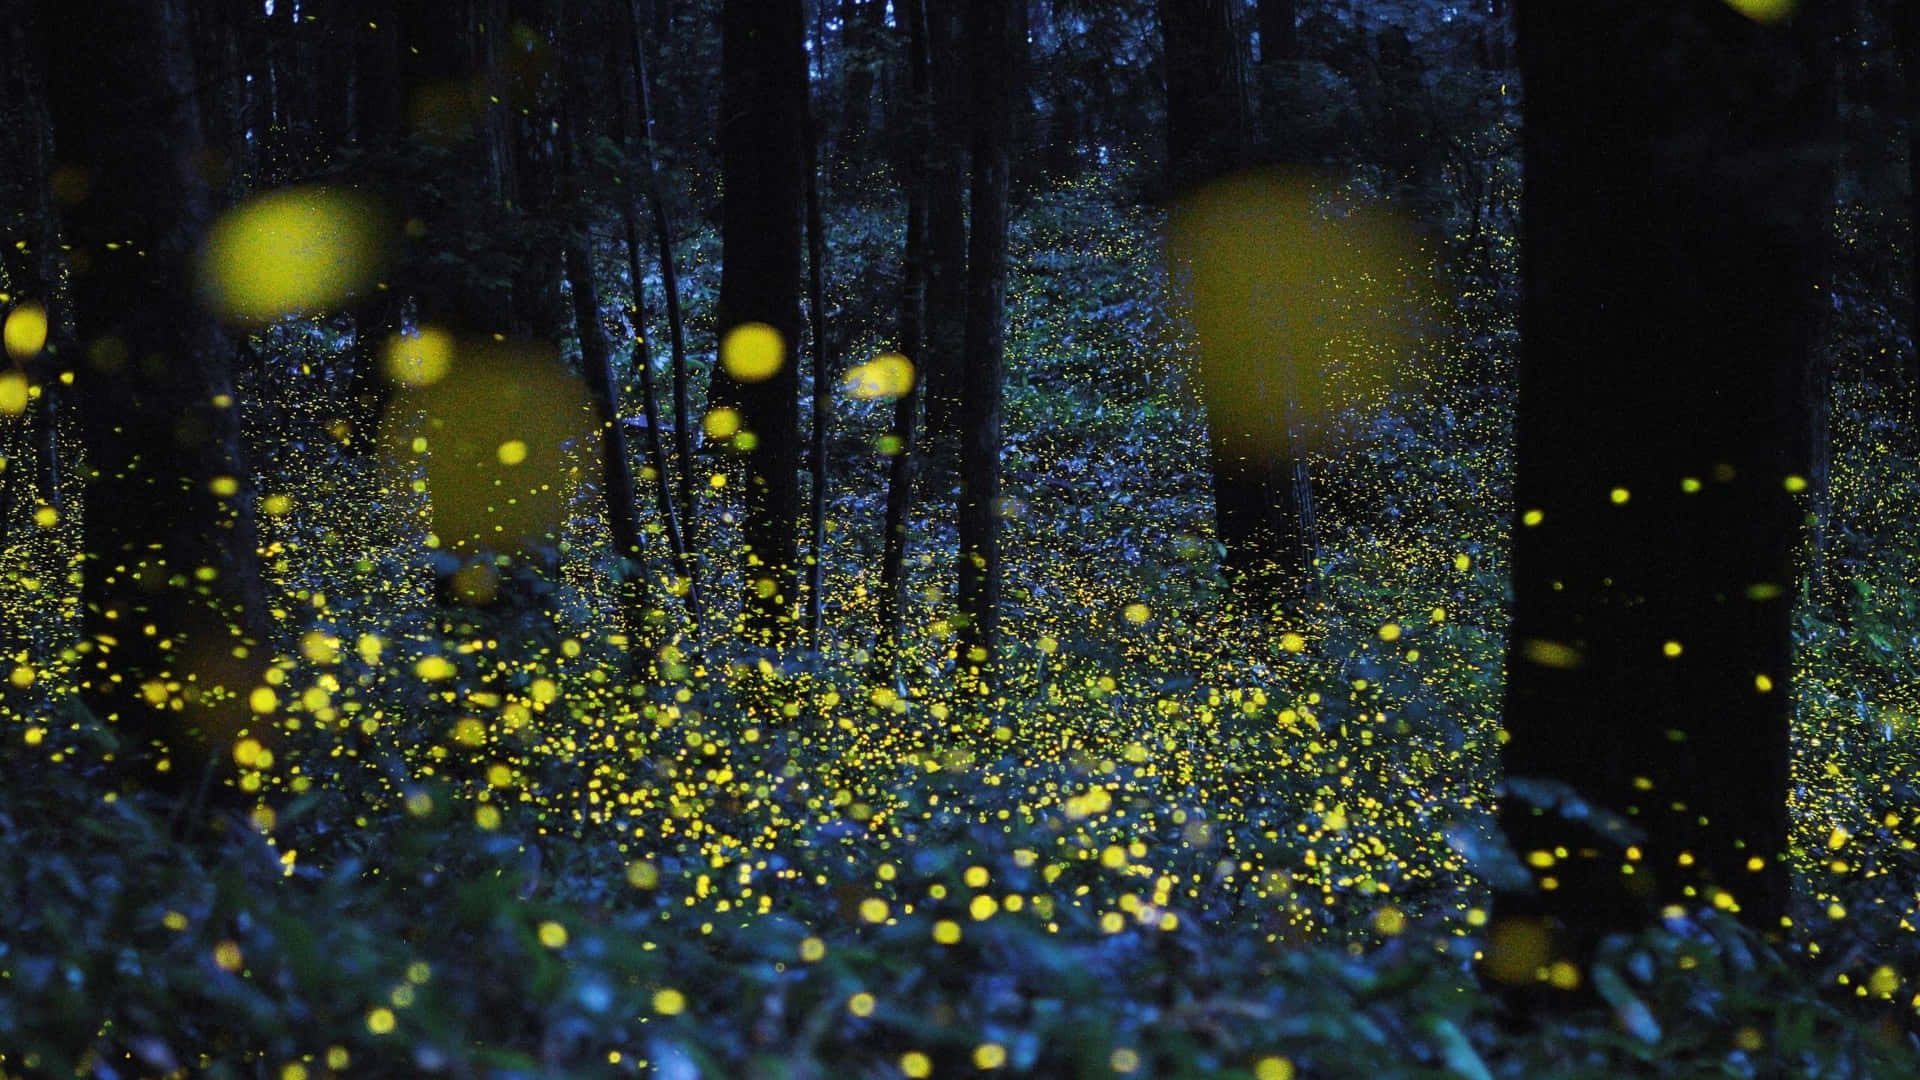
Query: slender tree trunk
<point>913,311</point>
<point>676,322</point>
<point>1279,31</point>
<point>596,365</point>
<point>946,230</point>
<point>763,160</point>
<point>642,358</point>
<point>169,524</point>
<point>822,389</point>
<point>988,27</point>
<point>1667,328</point>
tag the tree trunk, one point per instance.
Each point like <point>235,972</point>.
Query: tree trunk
<point>822,386</point>
<point>1666,328</point>
<point>1262,503</point>
<point>1279,31</point>
<point>169,520</point>
<point>913,310</point>
<point>989,28</point>
<point>946,229</point>
<point>1906,19</point>
<point>763,158</point>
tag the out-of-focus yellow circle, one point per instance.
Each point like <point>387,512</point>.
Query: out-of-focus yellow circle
<point>26,332</point>
<point>753,352</point>
<point>295,251</point>
<point>421,358</point>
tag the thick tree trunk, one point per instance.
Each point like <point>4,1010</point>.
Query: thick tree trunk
<point>1666,327</point>
<point>988,26</point>
<point>1279,31</point>
<point>1263,509</point>
<point>913,311</point>
<point>171,588</point>
<point>1907,28</point>
<point>763,158</point>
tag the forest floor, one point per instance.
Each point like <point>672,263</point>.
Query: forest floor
<point>1183,841</point>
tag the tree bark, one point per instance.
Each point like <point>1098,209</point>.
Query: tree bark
<point>946,229</point>
<point>988,27</point>
<point>1263,510</point>
<point>1907,28</point>
<point>169,524</point>
<point>913,311</point>
<point>822,385</point>
<point>1667,327</point>
<point>763,158</point>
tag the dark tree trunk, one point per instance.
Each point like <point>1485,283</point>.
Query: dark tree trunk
<point>596,367</point>
<point>913,312</point>
<point>1262,504</point>
<point>1279,30</point>
<point>946,229</point>
<point>676,323</point>
<point>165,547</point>
<point>989,29</point>
<point>1907,28</point>
<point>632,122</point>
<point>860,30</point>
<point>763,158</point>
<point>822,388</point>
<point>1666,325</point>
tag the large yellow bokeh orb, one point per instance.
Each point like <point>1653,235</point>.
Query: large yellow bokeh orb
<point>753,352</point>
<point>296,251</point>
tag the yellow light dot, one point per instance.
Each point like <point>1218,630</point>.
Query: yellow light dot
<point>669,1002</point>
<point>512,452</point>
<point>263,700</point>
<point>14,393</point>
<point>46,517</point>
<point>1138,613</point>
<point>946,932</point>
<point>1273,1068</point>
<point>717,481</point>
<point>982,908</point>
<point>915,1065</point>
<point>1532,518</point>
<point>812,949</point>
<point>487,816</point>
<point>380,1020</point>
<point>421,358</point>
<point>338,1058</point>
<point>1671,649</point>
<point>1292,642</point>
<point>976,877</point>
<point>25,333</point>
<point>1619,496</point>
<point>21,677</point>
<point>1463,563</point>
<point>1690,485</point>
<point>224,486</point>
<point>753,352</point>
<point>873,910</point>
<point>226,956</point>
<point>989,1056</point>
<point>722,423</point>
<point>553,935</point>
<point>276,505</point>
<point>1389,921</point>
<point>1795,484</point>
<point>1883,981</point>
<point>434,668</point>
<point>642,874</point>
<point>887,376</point>
<point>1390,632</point>
<point>293,1070</point>
<point>1762,683</point>
<point>1124,1060</point>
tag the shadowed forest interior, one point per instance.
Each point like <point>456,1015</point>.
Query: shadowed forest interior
<point>1263,539</point>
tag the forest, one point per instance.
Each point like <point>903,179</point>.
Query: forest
<point>1261,539</point>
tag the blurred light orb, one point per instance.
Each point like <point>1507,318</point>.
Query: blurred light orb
<point>295,251</point>
<point>1766,11</point>
<point>887,376</point>
<point>421,358</point>
<point>25,333</point>
<point>753,352</point>
<point>1302,298</point>
<point>495,436</point>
